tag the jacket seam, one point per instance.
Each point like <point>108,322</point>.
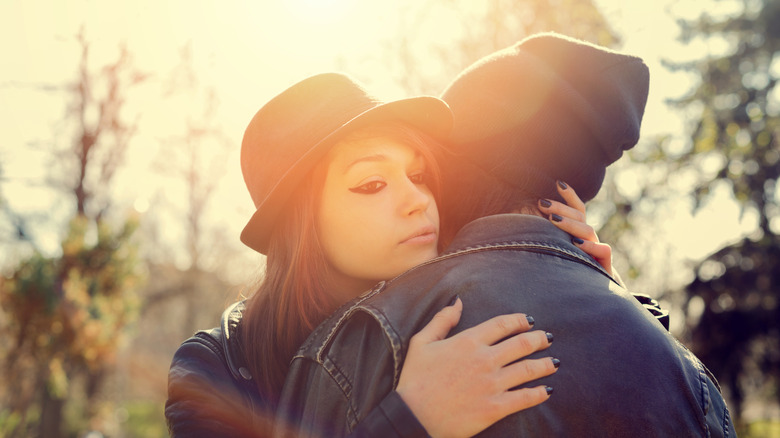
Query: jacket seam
<point>345,316</point>
<point>522,245</point>
<point>208,340</point>
<point>331,371</point>
<point>396,342</point>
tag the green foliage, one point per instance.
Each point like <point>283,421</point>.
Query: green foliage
<point>67,315</point>
<point>761,429</point>
<point>145,419</point>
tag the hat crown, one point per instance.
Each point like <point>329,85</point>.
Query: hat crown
<point>292,123</point>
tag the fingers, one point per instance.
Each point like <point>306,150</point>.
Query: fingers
<point>569,217</point>
<point>570,196</point>
<point>521,345</point>
<point>499,327</point>
<point>575,227</point>
<point>550,207</point>
<point>599,251</point>
<point>519,399</point>
<point>602,252</point>
<point>441,324</point>
<point>528,370</point>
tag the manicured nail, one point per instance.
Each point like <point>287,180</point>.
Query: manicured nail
<point>548,389</point>
<point>453,300</point>
<point>530,320</point>
<point>556,362</point>
<point>555,217</point>
<point>545,203</point>
<point>549,337</point>
<point>562,185</point>
<point>577,241</point>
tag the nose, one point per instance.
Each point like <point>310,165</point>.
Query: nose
<point>417,198</point>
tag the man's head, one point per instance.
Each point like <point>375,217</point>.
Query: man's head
<point>547,108</point>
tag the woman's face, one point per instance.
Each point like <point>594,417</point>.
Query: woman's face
<point>377,216</point>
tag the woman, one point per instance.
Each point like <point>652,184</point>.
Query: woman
<point>344,186</point>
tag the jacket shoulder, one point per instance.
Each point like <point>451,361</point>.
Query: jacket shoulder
<point>324,333</point>
<point>204,396</point>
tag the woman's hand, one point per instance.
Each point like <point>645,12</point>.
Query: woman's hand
<point>570,217</point>
<point>461,385</point>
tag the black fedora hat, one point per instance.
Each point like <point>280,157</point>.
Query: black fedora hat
<point>291,133</point>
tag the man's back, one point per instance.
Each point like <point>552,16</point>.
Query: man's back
<point>621,373</point>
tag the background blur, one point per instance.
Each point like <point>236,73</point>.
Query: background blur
<point>121,198</point>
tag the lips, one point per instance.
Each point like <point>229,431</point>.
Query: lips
<point>422,236</point>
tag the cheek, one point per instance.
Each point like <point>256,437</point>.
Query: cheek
<point>349,233</point>
<point>433,212</point>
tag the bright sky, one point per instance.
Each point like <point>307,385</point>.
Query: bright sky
<point>248,51</point>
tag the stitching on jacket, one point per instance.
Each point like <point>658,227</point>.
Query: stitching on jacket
<point>521,245</point>
<point>344,317</point>
<point>705,397</point>
<point>204,338</point>
<point>334,327</point>
<point>334,371</point>
<point>395,339</point>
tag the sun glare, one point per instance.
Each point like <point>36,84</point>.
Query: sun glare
<point>320,11</point>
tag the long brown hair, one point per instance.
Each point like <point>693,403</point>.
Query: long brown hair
<point>292,298</point>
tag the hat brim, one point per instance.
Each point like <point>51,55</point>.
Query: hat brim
<point>426,113</point>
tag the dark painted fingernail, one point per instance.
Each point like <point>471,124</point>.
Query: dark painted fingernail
<point>545,203</point>
<point>556,362</point>
<point>530,320</point>
<point>577,241</point>
<point>562,185</point>
<point>555,217</point>
<point>548,389</point>
<point>549,337</point>
<point>453,300</point>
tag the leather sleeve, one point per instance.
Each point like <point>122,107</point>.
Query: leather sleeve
<point>203,399</point>
<point>391,419</point>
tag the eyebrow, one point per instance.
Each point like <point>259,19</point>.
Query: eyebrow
<point>368,158</point>
<point>374,159</point>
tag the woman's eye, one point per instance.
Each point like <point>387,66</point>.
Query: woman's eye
<point>418,178</point>
<point>369,187</point>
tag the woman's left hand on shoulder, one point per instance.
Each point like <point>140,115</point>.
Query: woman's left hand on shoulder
<point>570,217</point>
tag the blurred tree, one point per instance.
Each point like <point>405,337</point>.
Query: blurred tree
<point>187,250</point>
<point>193,163</point>
<point>66,314</point>
<point>486,26</point>
<point>736,289</point>
<point>66,317</point>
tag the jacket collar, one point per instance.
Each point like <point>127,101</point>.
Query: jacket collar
<point>234,357</point>
<point>493,229</point>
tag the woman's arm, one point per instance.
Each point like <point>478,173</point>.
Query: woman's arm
<point>461,385</point>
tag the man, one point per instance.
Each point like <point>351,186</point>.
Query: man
<point>548,109</point>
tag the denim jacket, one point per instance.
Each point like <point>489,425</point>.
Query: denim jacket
<point>622,374</point>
